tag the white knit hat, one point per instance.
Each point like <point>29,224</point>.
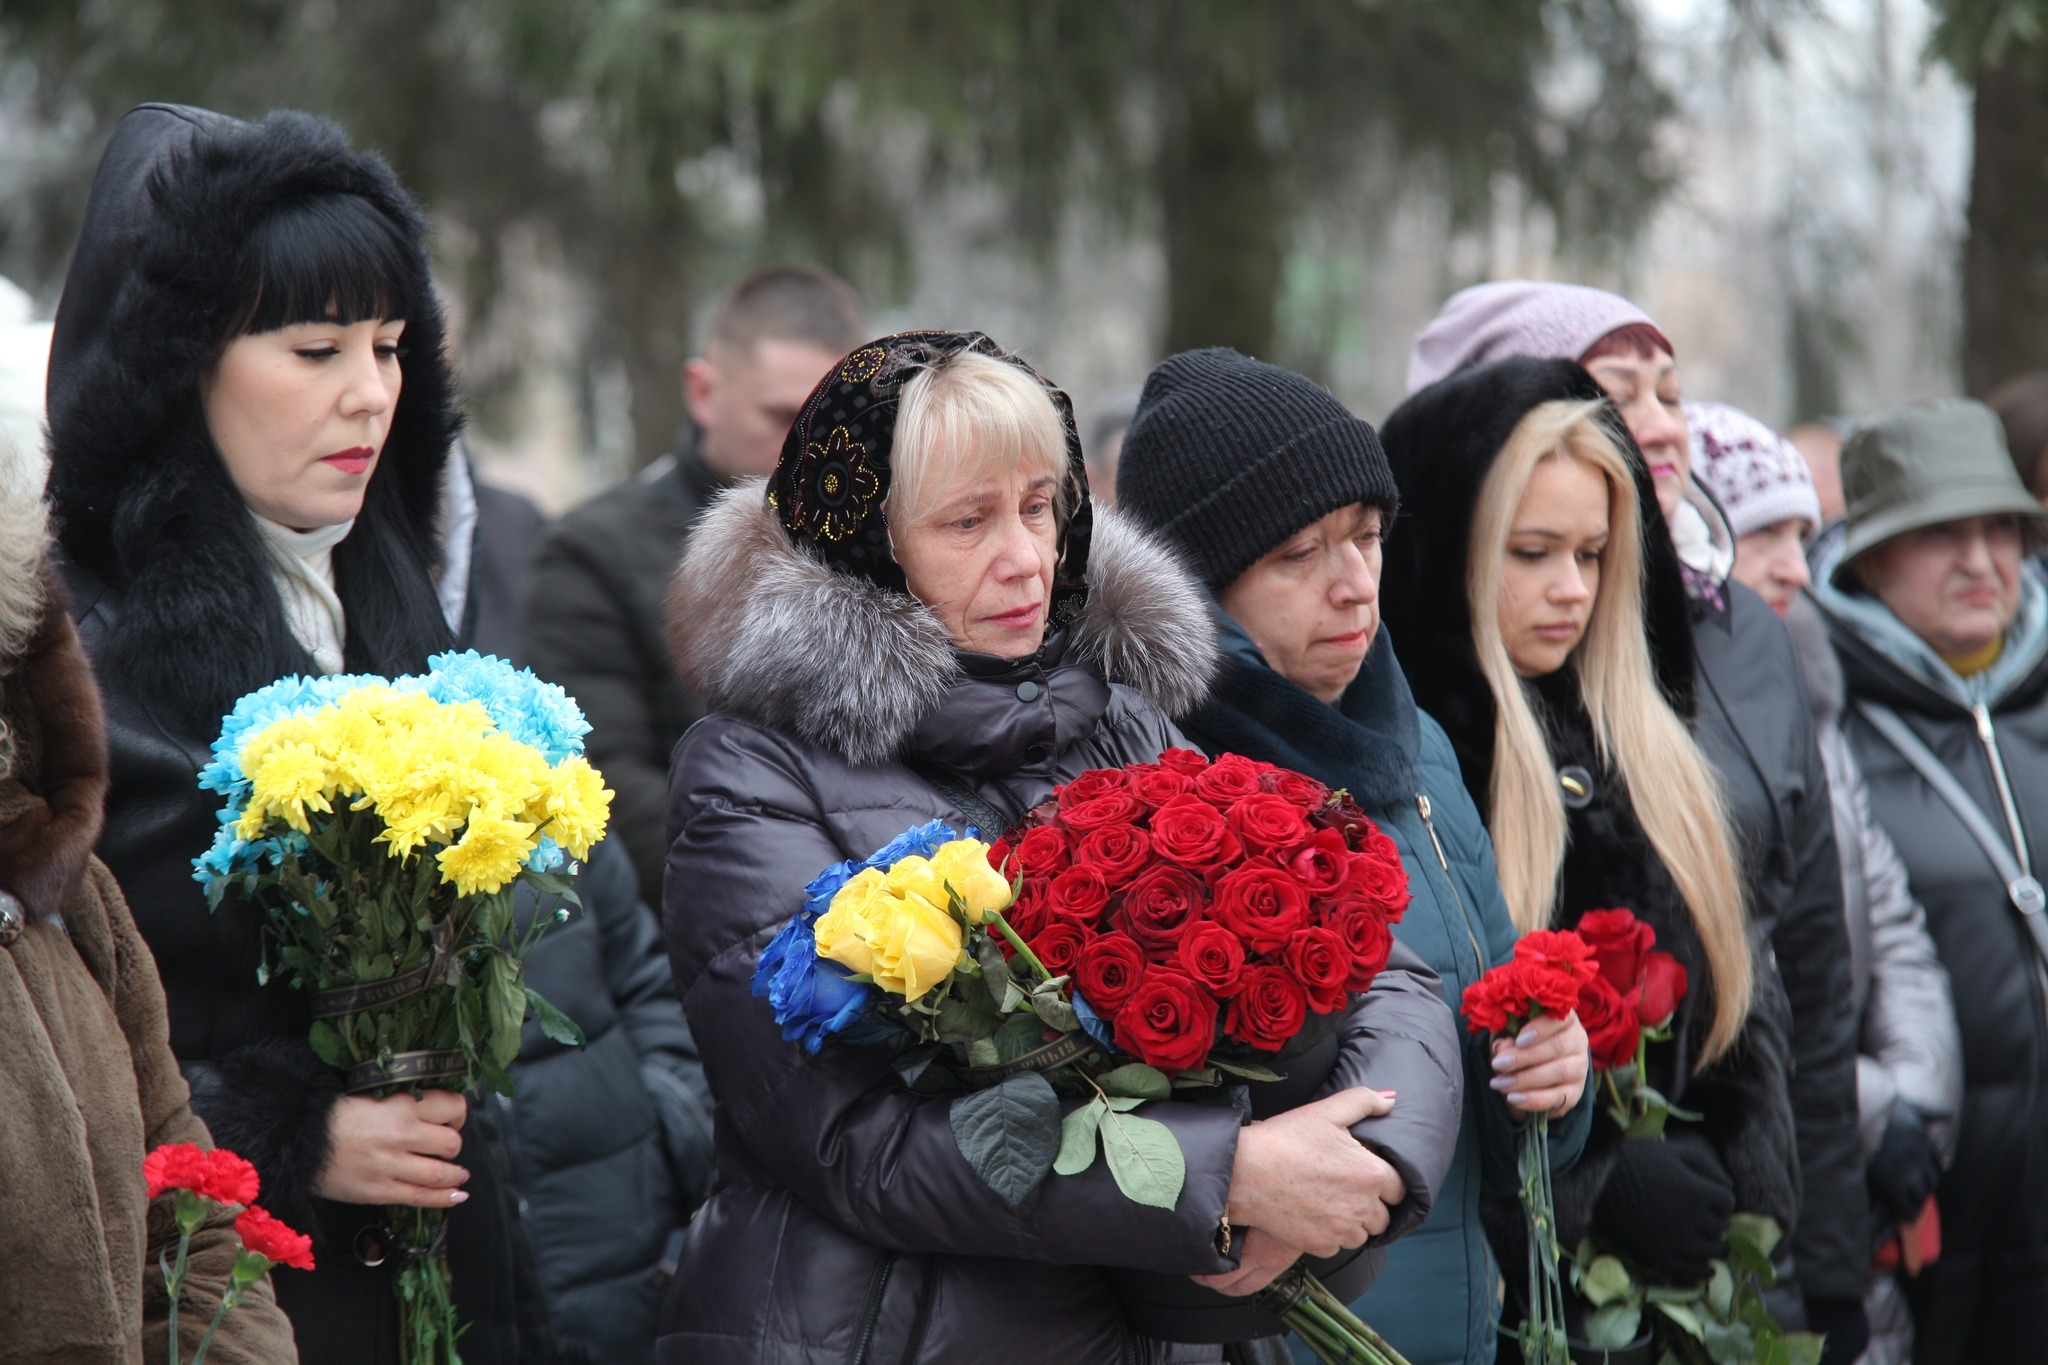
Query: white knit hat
<point>1516,318</point>
<point>1758,476</point>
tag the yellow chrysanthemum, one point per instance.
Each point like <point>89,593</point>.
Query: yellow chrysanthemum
<point>285,779</point>
<point>490,853</point>
<point>573,805</point>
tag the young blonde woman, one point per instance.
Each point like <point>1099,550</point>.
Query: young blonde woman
<point>1519,573</point>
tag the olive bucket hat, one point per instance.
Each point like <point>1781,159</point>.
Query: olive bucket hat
<point>1924,465</point>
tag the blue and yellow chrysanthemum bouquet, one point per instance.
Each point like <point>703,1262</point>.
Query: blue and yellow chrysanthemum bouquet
<point>384,825</point>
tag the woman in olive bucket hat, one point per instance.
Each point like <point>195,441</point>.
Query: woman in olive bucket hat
<point>1941,625</point>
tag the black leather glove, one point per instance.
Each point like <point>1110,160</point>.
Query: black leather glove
<point>1906,1168</point>
<point>1848,1331</point>
<point>1667,1206</point>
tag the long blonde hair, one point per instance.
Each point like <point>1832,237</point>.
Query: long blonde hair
<point>1677,800</point>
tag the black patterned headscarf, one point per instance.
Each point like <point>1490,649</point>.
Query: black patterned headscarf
<point>833,477</point>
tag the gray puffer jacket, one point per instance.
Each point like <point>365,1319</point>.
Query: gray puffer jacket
<point>845,1225</point>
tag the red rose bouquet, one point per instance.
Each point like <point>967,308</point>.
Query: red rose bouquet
<point>199,1181</point>
<point>1150,929</point>
<point>1625,1007</point>
<point>1549,971</point>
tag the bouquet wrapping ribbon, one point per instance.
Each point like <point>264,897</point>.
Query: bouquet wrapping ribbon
<point>1062,1051</point>
<point>368,995</point>
<point>405,1067</point>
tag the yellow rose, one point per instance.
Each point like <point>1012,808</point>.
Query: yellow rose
<point>841,931</point>
<point>914,876</point>
<point>963,866</point>
<point>915,945</point>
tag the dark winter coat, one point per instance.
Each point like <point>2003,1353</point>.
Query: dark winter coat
<point>845,1225</point>
<point>1441,443</point>
<point>88,1084</point>
<point>175,605</point>
<point>611,1142</point>
<point>509,529</point>
<point>1435,1298</point>
<point>1987,1297</point>
<point>594,625</point>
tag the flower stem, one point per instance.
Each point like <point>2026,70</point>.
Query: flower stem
<point>174,1287</point>
<point>1023,948</point>
<point>211,1328</point>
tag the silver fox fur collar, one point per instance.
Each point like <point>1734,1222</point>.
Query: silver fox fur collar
<point>762,630</point>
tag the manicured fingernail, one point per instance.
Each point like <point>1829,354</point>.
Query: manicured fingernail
<point>1388,1093</point>
<point>465,1177</point>
<point>1517,1098</point>
<point>1525,1037</point>
<point>1504,1060</point>
<point>457,1196</point>
<point>1502,1082</point>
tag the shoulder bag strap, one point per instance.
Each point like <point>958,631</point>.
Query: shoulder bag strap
<point>2021,887</point>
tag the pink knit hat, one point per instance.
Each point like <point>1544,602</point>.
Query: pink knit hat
<point>1758,476</point>
<point>1515,318</point>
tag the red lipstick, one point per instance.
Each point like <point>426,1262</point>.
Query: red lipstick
<point>354,460</point>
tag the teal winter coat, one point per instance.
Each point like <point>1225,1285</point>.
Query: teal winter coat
<point>1435,1300</point>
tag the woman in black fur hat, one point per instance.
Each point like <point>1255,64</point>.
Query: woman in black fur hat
<point>250,413</point>
<point>1538,588</point>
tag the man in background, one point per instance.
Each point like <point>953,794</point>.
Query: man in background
<point>593,620</point>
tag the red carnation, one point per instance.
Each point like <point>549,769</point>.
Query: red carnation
<point>1304,791</point>
<point>1091,784</point>
<point>1495,1000</point>
<point>1367,937</point>
<point>228,1179</point>
<point>1154,785</point>
<point>1042,851</point>
<point>1058,945</point>
<point>1322,864</point>
<point>1262,902</point>
<point>1560,950</point>
<point>1266,823</point>
<point>1610,1024</point>
<point>1169,1022</point>
<point>1228,780</point>
<point>274,1241</point>
<point>1663,988</point>
<point>1268,1011</point>
<point>1078,894</point>
<point>174,1166</point>
<point>1109,972</point>
<point>1621,943</point>
<point>1184,761</point>
<point>1157,907</point>
<point>1189,831</point>
<point>1213,956</point>
<point>1118,852</point>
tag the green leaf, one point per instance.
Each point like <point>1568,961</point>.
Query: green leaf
<point>960,1022</point>
<point>328,1046</point>
<point>982,1052</point>
<point>1606,1281</point>
<point>555,1025</point>
<point>1049,1002</point>
<point>1124,1104</point>
<point>1721,1290</point>
<point>1758,1230</point>
<point>1135,1078</point>
<point>1077,1138</point>
<point>1010,1133</point>
<point>1614,1326</point>
<point>1649,1124</point>
<point>1804,1348</point>
<point>504,1007</point>
<point>1018,1034</point>
<point>995,968</point>
<point>1195,1080</point>
<point>1684,1318</point>
<point>1247,1070</point>
<point>1675,1293</point>
<point>1145,1159</point>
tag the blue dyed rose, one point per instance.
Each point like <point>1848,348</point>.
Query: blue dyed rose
<point>811,998</point>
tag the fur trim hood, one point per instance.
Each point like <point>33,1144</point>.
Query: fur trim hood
<point>142,501</point>
<point>763,630</point>
<point>1441,444</point>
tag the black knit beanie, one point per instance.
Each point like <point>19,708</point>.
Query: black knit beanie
<point>1229,456</point>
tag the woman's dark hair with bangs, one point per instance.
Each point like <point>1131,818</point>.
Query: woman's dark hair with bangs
<point>334,258</point>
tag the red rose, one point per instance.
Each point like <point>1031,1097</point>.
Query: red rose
<point>1322,864</point>
<point>1118,852</point>
<point>1078,894</point>
<point>1091,784</point>
<point>1186,762</point>
<point>1042,852</point>
<point>1268,1011</point>
<point>1156,908</point>
<point>1366,937</point>
<point>1028,914</point>
<point>1304,791</point>
<point>1154,786</point>
<point>1213,956</point>
<point>271,1239</point>
<point>1262,902</point>
<point>1344,815</point>
<point>1169,1022</point>
<point>1327,999</point>
<point>1228,780</point>
<point>1319,958</point>
<point>1620,943</point>
<point>1377,875</point>
<point>1059,945</point>
<point>228,1178</point>
<point>1663,988</point>
<point>1117,808</point>
<point>1109,972</point>
<point>174,1166</point>
<point>1610,1024</point>
<point>1265,823</point>
<point>1189,831</point>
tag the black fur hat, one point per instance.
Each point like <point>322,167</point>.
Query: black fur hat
<point>1441,443</point>
<point>142,500</point>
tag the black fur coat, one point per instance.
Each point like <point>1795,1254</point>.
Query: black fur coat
<point>1441,443</point>
<point>174,602</point>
